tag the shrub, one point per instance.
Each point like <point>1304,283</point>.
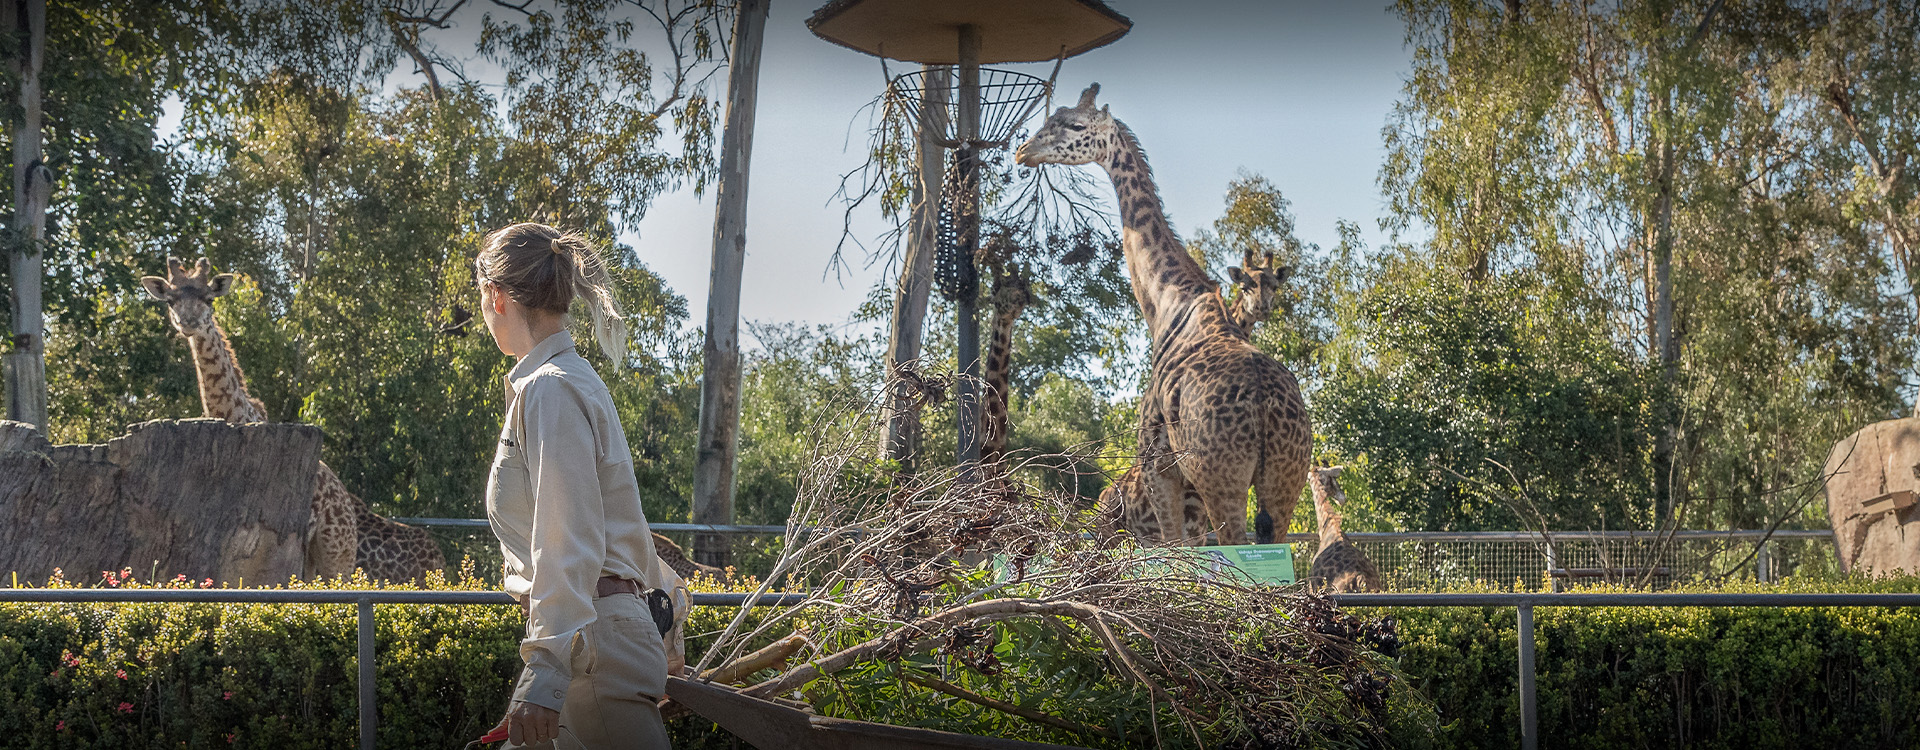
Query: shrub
<point>1716,677</point>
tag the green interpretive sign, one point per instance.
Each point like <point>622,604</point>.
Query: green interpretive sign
<point>1262,563</point>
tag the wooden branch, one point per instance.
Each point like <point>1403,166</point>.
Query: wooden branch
<point>928,681</point>
<point>774,655</point>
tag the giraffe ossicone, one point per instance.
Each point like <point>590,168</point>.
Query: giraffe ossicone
<point>1218,416</point>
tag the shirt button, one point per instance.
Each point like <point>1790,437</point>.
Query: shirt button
<point>559,695</point>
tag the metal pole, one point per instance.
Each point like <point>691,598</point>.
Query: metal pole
<point>719,437</point>
<point>900,439</point>
<point>369,707</point>
<point>1762,565</point>
<point>1529,724</point>
<point>26,368</point>
<point>967,331</point>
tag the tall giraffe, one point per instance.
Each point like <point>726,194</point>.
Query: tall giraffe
<point>1339,565</point>
<point>1259,290</point>
<point>1217,414</point>
<point>342,532</point>
<point>1011,295</point>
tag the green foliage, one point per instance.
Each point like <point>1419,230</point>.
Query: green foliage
<point>1445,383</point>
<point>1666,677</point>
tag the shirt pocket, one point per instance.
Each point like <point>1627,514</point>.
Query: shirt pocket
<point>509,486</point>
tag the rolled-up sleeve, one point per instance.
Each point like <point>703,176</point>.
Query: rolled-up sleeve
<point>568,534</point>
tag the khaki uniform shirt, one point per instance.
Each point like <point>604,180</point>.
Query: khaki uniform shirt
<point>562,499</point>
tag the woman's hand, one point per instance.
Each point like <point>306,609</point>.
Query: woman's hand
<point>528,724</point>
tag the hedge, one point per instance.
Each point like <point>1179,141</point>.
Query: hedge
<point>1722,677</point>
<point>282,676</point>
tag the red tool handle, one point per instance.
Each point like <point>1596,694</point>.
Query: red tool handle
<point>498,734</point>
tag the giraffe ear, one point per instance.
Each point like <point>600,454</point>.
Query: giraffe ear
<point>156,287</point>
<point>1281,274</point>
<point>220,285</point>
<point>1336,471</point>
<point>1239,276</point>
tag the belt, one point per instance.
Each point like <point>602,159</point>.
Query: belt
<point>610,585</point>
<point>659,604</point>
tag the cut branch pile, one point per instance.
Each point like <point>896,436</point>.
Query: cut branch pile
<point>930,577</point>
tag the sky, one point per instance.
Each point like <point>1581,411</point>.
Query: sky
<point>1295,91</point>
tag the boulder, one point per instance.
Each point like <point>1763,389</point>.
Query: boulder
<point>1871,480</point>
<point>196,497</point>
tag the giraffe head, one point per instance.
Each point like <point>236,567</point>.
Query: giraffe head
<point>1073,135</point>
<point>1259,283</point>
<point>1326,483</point>
<point>189,294</point>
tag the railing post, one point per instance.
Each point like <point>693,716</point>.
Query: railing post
<point>1762,570</point>
<point>369,710</point>
<point>1529,723</point>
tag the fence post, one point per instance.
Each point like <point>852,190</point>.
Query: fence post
<point>369,710</point>
<point>1529,724</point>
<point>1762,568</point>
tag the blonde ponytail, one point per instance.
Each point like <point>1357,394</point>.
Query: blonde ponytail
<point>544,268</point>
<point>594,285</point>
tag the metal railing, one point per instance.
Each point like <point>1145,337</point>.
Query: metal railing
<point>363,600</point>
<point>1523,603</point>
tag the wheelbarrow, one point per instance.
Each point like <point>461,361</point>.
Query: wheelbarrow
<point>773,726</point>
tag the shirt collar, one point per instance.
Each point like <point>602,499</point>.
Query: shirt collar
<point>548,348</point>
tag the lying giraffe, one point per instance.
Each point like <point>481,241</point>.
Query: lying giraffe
<point>342,533</point>
<point>1011,295</point>
<point>1218,416</point>
<point>1339,565</point>
<point>1123,507</point>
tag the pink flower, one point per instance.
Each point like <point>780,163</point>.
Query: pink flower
<point>230,738</point>
<point>60,726</point>
<point>227,696</point>
<point>126,708</point>
<point>180,577</point>
<point>206,583</point>
<point>67,658</point>
<point>120,673</point>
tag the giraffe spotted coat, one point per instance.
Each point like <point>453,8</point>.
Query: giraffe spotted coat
<point>1218,416</point>
<point>342,532</point>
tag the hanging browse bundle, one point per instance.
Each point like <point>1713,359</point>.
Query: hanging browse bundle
<point>954,273</point>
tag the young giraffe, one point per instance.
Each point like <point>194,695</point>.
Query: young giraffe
<point>1339,565</point>
<point>1011,295</point>
<point>1259,291</point>
<point>342,532</point>
<point>1217,415</point>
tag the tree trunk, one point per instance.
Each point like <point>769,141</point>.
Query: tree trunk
<point>720,379</point>
<point>1666,348</point>
<point>26,369</point>
<point>199,497</point>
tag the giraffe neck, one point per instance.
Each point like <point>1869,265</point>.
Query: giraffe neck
<point>999,377</point>
<point>1329,518</point>
<point>223,387</point>
<point>1164,276</point>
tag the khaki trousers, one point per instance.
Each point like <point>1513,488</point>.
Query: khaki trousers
<point>619,675</point>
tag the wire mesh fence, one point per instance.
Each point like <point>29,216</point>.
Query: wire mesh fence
<point>1524,561</point>
<point>1412,561</point>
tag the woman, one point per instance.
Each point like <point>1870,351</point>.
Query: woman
<point>563,502</point>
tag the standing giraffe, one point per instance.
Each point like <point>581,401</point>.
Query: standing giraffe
<point>1011,295</point>
<point>342,533</point>
<point>1339,565</point>
<point>1259,291</point>
<point>1217,414</point>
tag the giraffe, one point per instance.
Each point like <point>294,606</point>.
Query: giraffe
<point>1259,284</point>
<point>1011,295</point>
<point>1217,414</point>
<point>1339,565</point>
<point>1122,507</point>
<point>342,533</point>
